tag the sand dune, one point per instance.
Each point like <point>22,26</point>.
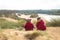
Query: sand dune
<point>9,19</point>
<point>52,33</point>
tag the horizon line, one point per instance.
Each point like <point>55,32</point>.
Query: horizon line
<point>29,9</point>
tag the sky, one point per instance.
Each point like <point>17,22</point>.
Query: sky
<point>29,4</point>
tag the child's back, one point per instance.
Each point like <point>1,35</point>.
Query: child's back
<point>28,26</point>
<point>40,24</point>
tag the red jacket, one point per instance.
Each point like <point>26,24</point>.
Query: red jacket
<point>40,25</point>
<point>28,26</point>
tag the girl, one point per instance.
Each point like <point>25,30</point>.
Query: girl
<point>28,25</point>
<point>40,24</point>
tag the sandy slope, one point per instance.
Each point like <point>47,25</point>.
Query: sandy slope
<point>9,19</point>
<point>52,33</point>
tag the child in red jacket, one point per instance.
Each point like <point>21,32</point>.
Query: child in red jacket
<point>40,24</point>
<point>28,26</point>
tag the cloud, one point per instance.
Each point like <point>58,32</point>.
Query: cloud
<point>29,4</point>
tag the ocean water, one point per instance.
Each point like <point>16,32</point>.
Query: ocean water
<point>48,17</point>
<point>43,16</point>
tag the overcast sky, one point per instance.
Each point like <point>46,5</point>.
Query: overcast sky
<point>29,4</point>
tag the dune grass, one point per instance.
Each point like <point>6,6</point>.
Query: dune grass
<point>35,34</point>
<point>4,24</point>
<point>54,22</point>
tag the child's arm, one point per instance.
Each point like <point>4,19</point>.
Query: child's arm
<point>24,25</point>
<point>32,25</point>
